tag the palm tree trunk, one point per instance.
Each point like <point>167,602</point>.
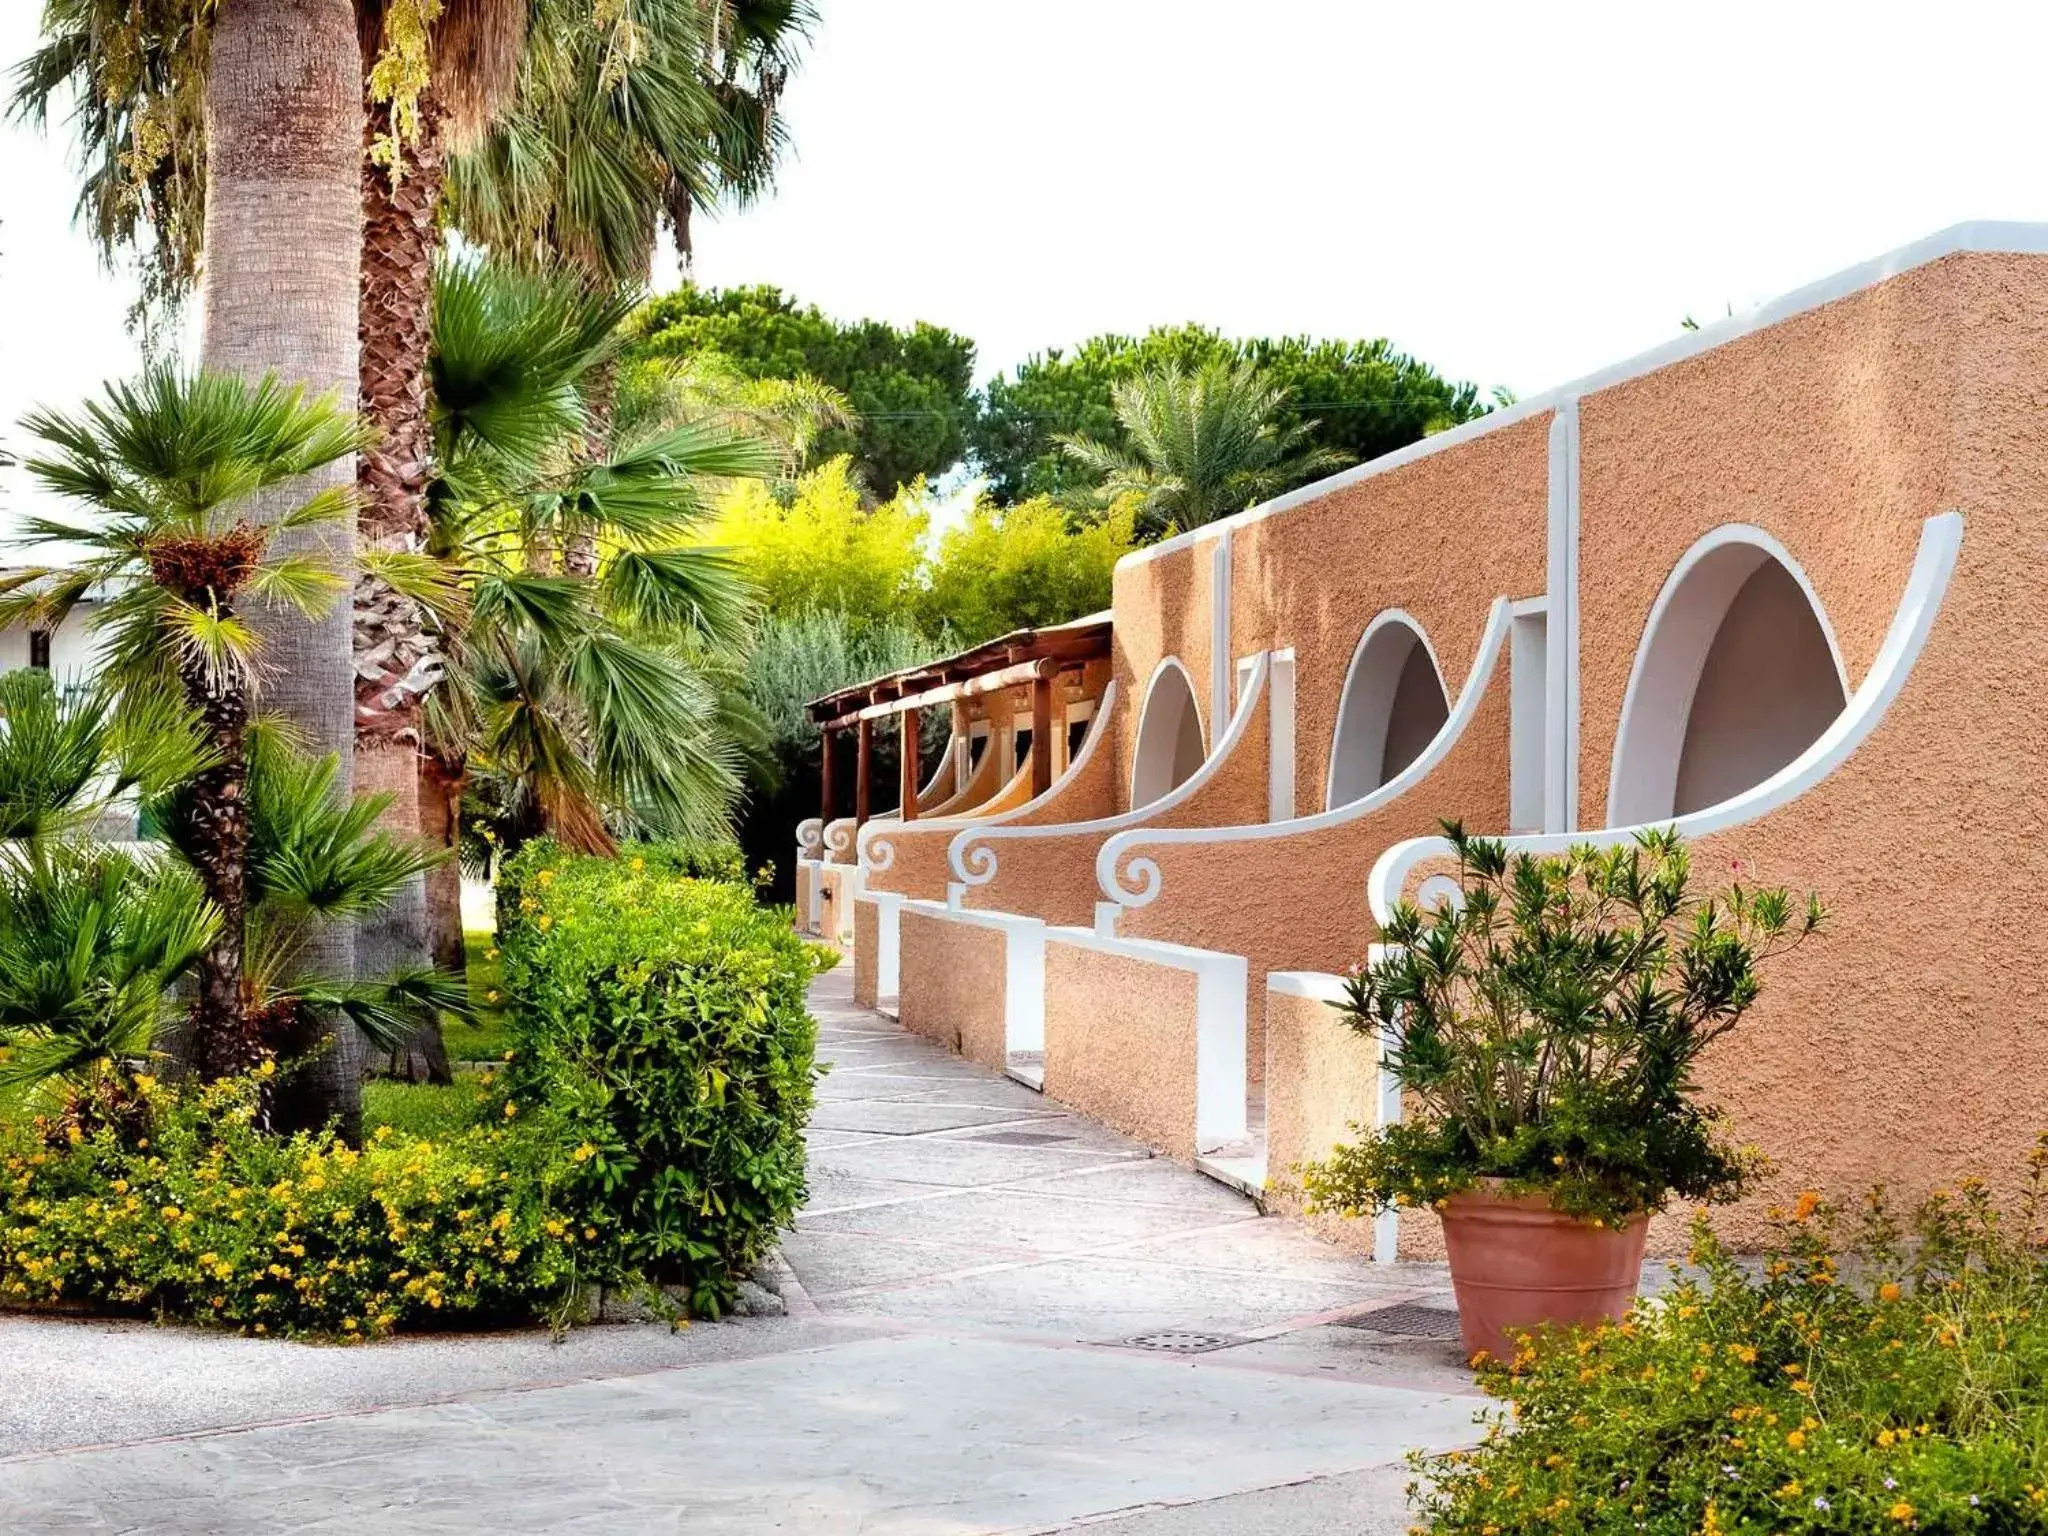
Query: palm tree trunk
<point>440,802</point>
<point>396,661</point>
<point>222,1041</point>
<point>283,245</point>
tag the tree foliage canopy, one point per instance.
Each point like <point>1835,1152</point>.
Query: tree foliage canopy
<point>912,390</point>
<point>1365,398</point>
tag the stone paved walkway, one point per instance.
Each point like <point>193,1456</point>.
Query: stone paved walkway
<point>970,1278</point>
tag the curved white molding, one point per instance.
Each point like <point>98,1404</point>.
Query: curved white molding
<point>839,837</point>
<point>810,837</point>
<point>1673,651</point>
<point>1348,701</point>
<point>1143,873</point>
<point>1941,538</point>
<point>877,847</point>
<point>878,852</point>
<point>974,861</point>
<point>1166,663</point>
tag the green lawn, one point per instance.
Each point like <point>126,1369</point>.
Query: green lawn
<point>421,1109</point>
<point>488,1037</point>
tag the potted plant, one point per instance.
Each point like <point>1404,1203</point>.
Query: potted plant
<point>1544,1031</point>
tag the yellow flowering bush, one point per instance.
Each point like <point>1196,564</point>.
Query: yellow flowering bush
<point>209,1218</point>
<point>1873,1378</point>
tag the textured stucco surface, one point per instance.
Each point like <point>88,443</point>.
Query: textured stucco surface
<point>803,896</point>
<point>1163,607</point>
<point>951,983</point>
<point>867,934</point>
<point>1905,1044</point>
<point>921,868</point>
<point>1440,538</point>
<point>1324,1081</point>
<point>1052,876</point>
<point>1120,1043</point>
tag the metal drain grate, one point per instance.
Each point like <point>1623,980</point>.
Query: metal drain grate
<point>1409,1320</point>
<point>1179,1341</point>
<point>1022,1138</point>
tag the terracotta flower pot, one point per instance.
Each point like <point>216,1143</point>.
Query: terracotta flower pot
<point>1516,1263</point>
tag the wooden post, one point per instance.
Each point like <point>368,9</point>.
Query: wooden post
<point>1041,735</point>
<point>962,749</point>
<point>863,770</point>
<point>908,723</point>
<point>825,775</point>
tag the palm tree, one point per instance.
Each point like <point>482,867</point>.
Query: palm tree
<point>1201,445</point>
<point>199,487</point>
<point>599,153</point>
<point>95,937</point>
<point>580,705</point>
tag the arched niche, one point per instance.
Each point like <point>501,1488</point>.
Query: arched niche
<point>1169,735</point>
<point>1393,705</point>
<point>1738,674</point>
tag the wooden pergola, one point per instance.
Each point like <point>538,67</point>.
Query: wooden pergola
<point>1033,657</point>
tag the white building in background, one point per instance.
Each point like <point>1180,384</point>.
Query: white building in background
<point>69,652</point>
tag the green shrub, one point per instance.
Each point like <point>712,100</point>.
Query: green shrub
<point>212,1219</point>
<point>1547,1027</point>
<point>1872,1379</point>
<point>662,1033</point>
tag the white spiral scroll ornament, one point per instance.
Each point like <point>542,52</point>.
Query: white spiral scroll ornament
<point>810,837</point>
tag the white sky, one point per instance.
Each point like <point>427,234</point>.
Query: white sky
<point>1518,194</point>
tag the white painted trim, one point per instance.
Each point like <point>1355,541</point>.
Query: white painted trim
<point>974,860</point>
<point>1941,538</point>
<point>888,907</point>
<point>810,837</point>
<point>814,908</point>
<point>879,853</point>
<point>1115,862</point>
<point>1221,981</point>
<point>1023,968</point>
<point>1672,653</point>
<point>1166,663</point>
<point>1280,739</point>
<point>1981,236</point>
<point>1317,986</point>
<point>1219,631</point>
<point>1347,699</point>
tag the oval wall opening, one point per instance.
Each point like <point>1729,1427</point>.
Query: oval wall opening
<point>1738,675</point>
<point>1392,707</point>
<point>1169,736</point>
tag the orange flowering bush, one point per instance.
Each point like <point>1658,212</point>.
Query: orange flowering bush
<point>1873,1378</point>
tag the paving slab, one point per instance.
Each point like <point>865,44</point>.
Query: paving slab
<point>910,1437</point>
<point>958,1362</point>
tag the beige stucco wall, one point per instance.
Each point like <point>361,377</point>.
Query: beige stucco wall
<point>1053,876</point>
<point>1906,1044</point>
<point>951,984</point>
<point>1439,537</point>
<point>1324,1081</point>
<point>867,933</point>
<point>919,866</point>
<point>1120,1043</point>
<point>803,897</point>
<point>1163,607</point>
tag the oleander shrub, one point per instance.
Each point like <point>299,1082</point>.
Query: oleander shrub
<point>1876,1376</point>
<point>1546,1029</point>
<point>660,1029</point>
<point>201,1214</point>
